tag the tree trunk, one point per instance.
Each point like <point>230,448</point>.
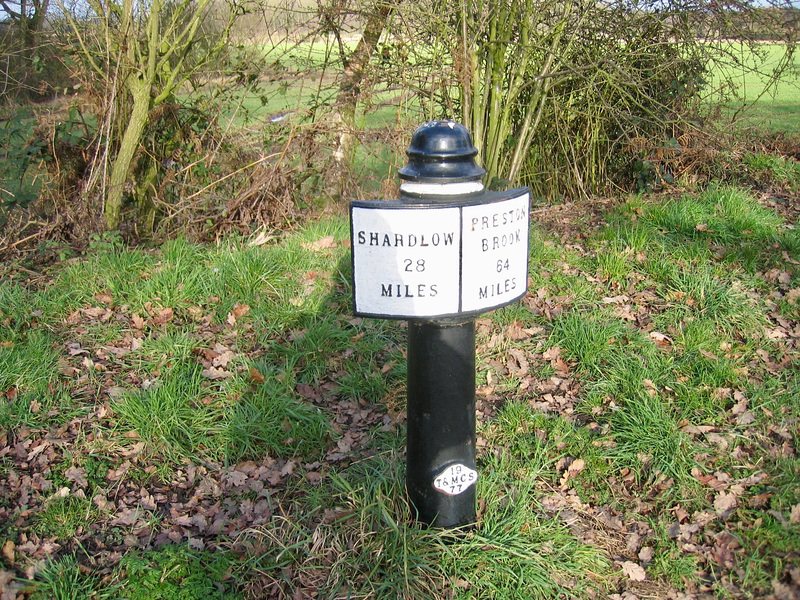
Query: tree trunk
<point>121,168</point>
<point>352,87</point>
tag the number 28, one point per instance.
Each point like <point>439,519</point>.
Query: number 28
<point>410,266</point>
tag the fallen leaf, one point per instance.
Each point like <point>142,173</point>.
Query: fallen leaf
<point>747,418</point>
<point>794,515</point>
<point>235,478</point>
<point>724,503</point>
<point>97,312</point>
<point>552,353</point>
<point>240,310</point>
<point>322,244</point>
<point>518,356</point>
<point>215,373</point>
<point>741,404</point>
<point>222,356</point>
<point>8,551</point>
<point>104,298</point>
<point>9,587</point>
<point>783,591</point>
<point>719,441</point>
<point>165,315</point>
<point>633,571</point>
<point>76,475</point>
<point>255,377</point>
<point>662,340</point>
<point>575,468</point>
<point>314,477</point>
<point>126,517</point>
<point>560,366</point>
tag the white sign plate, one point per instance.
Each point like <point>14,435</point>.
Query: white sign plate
<point>455,479</point>
<point>495,253</point>
<point>405,261</point>
<point>424,262</point>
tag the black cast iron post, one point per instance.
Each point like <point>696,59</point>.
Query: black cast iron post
<point>443,253</point>
<point>440,457</point>
<point>440,446</point>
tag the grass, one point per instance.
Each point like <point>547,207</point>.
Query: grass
<point>225,396</point>
<point>62,579</point>
<point>65,516</point>
<point>176,572</point>
<point>750,73</point>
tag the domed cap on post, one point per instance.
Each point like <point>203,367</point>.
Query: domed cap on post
<point>441,152</point>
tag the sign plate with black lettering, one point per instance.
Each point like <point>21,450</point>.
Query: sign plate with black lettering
<point>449,259</point>
<point>455,479</point>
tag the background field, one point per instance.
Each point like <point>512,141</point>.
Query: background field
<point>776,110</point>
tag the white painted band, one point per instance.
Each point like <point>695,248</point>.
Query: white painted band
<point>441,189</point>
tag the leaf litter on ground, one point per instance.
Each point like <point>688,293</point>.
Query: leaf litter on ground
<point>135,503</point>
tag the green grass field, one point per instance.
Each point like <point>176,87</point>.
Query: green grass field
<point>741,82</point>
<point>212,421</point>
<point>766,105</point>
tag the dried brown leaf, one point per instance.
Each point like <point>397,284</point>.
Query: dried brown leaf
<point>137,321</point>
<point>783,591</point>
<point>724,503</point>
<point>633,571</point>
<point>646,554</point>
<point>321,244</point>
<point>240,310</point>
<point>126,517</point>
<point>9,587</point>
<point>8,551</point>
<point>255,377</point>
<point>76,475</point>
<point>164,316</point>
<point>661,339</point>
<point>215,373</point>
<point>574,469</point>
<point>105,298</point>
<point>794,515</point>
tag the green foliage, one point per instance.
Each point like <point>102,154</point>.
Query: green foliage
<point>32,147</point>
<point>721,214</point>
<point>647,440</point>
<point>20,181</point>
<point>62,579</point>
<point>773,169</point>
<point>64,516</point>
<point>673,389</point>
<point>591,343</point>
<point>516,552</point>
<point>176,573</point>
<point>28,369</point>
<point>269,420</point>
<point>519,432</point>
<point>169,415</point>
<point>366,546</point>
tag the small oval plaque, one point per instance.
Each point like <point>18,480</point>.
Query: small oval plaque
<point>455,479</point>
